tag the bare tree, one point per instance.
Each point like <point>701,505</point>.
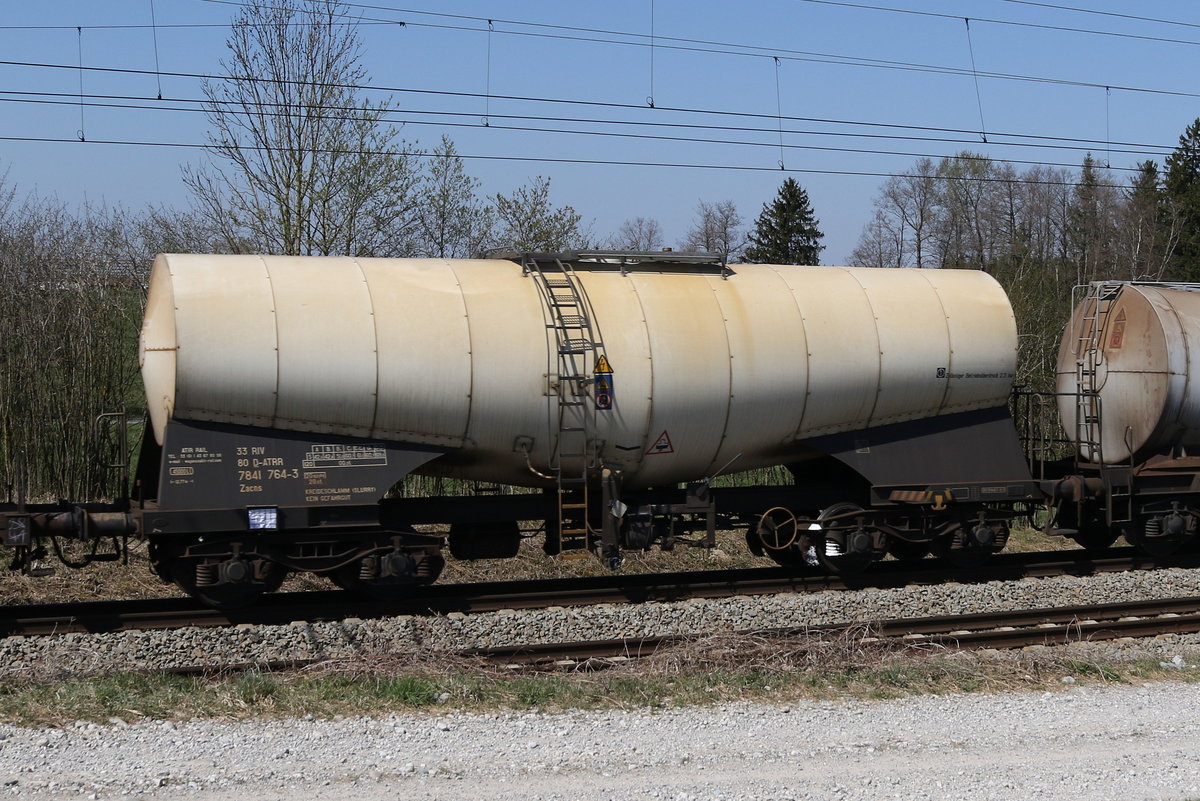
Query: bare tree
<point>69,318</point>
<point>301,162</point>
<point>528,221</point>
<point>717,229</point>
<point>964,236</point>
<point>914,197</point>
<point>455,222</point>
<point>881,243</point>
<point>638,233</point>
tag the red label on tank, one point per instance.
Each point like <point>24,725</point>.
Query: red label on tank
<point>1118,333</point>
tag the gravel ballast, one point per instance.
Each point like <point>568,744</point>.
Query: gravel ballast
<point>71,654</point>
<point>1082,743</point>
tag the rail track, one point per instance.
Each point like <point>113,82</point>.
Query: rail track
<point>997,630</point>
<point>283,608</point>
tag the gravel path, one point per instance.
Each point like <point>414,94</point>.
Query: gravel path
<point>1080,743</point>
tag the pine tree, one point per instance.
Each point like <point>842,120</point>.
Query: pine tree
<point>786,231</point>
<point>1182,184</point>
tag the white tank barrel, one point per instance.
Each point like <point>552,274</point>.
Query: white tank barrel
<point>1124,370</point>
<point>708,367</point>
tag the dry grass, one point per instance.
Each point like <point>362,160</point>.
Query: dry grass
<point>101,581</point>
<point>714,669</point>
<point>1024,539</point>
<point>532,563</point>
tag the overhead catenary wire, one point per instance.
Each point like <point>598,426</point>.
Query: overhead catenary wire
<point>779,113</point>
<point>406,117</point>
<point>487,103</point>
<point>157,64</point>
<point>843,3</point>
<point>690,111</point>
<point>675,43</point>
<point>650,97</point>
<point>594,162</point>
<point>80,133</point>
<point>333,114</point>
<point>975,73</point>
<point>994,21</point>
<point>1025,140</point>
<point>1102,13</point>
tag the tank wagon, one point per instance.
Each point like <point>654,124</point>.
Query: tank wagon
<point>288,398</point>
<point>1128,395</point>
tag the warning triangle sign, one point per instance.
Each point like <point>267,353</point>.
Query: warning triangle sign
<point>661,445</point>
<point>602,365</point>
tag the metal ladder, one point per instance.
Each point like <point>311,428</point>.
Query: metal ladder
<point>576,349</point>
<point>1089,352</point>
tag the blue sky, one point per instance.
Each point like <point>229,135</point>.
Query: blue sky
<point>859,90</point>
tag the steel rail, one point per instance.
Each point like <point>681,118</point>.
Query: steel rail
<point>998,630</point>
<point>440,599</point>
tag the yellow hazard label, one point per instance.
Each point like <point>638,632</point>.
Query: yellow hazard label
<point>936,500</point>
<point>602,365</point>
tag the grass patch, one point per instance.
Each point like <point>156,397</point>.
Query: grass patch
<point>1025,539</point>
<point>705,671</point>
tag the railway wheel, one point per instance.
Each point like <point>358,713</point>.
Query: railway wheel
<point>970,543</point>
<point>1092,532</point>
<point>907,550</point>
<point>390,575</point>
<point>229,583</point>
<point>845,543</point>
<point>1163,535</point>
